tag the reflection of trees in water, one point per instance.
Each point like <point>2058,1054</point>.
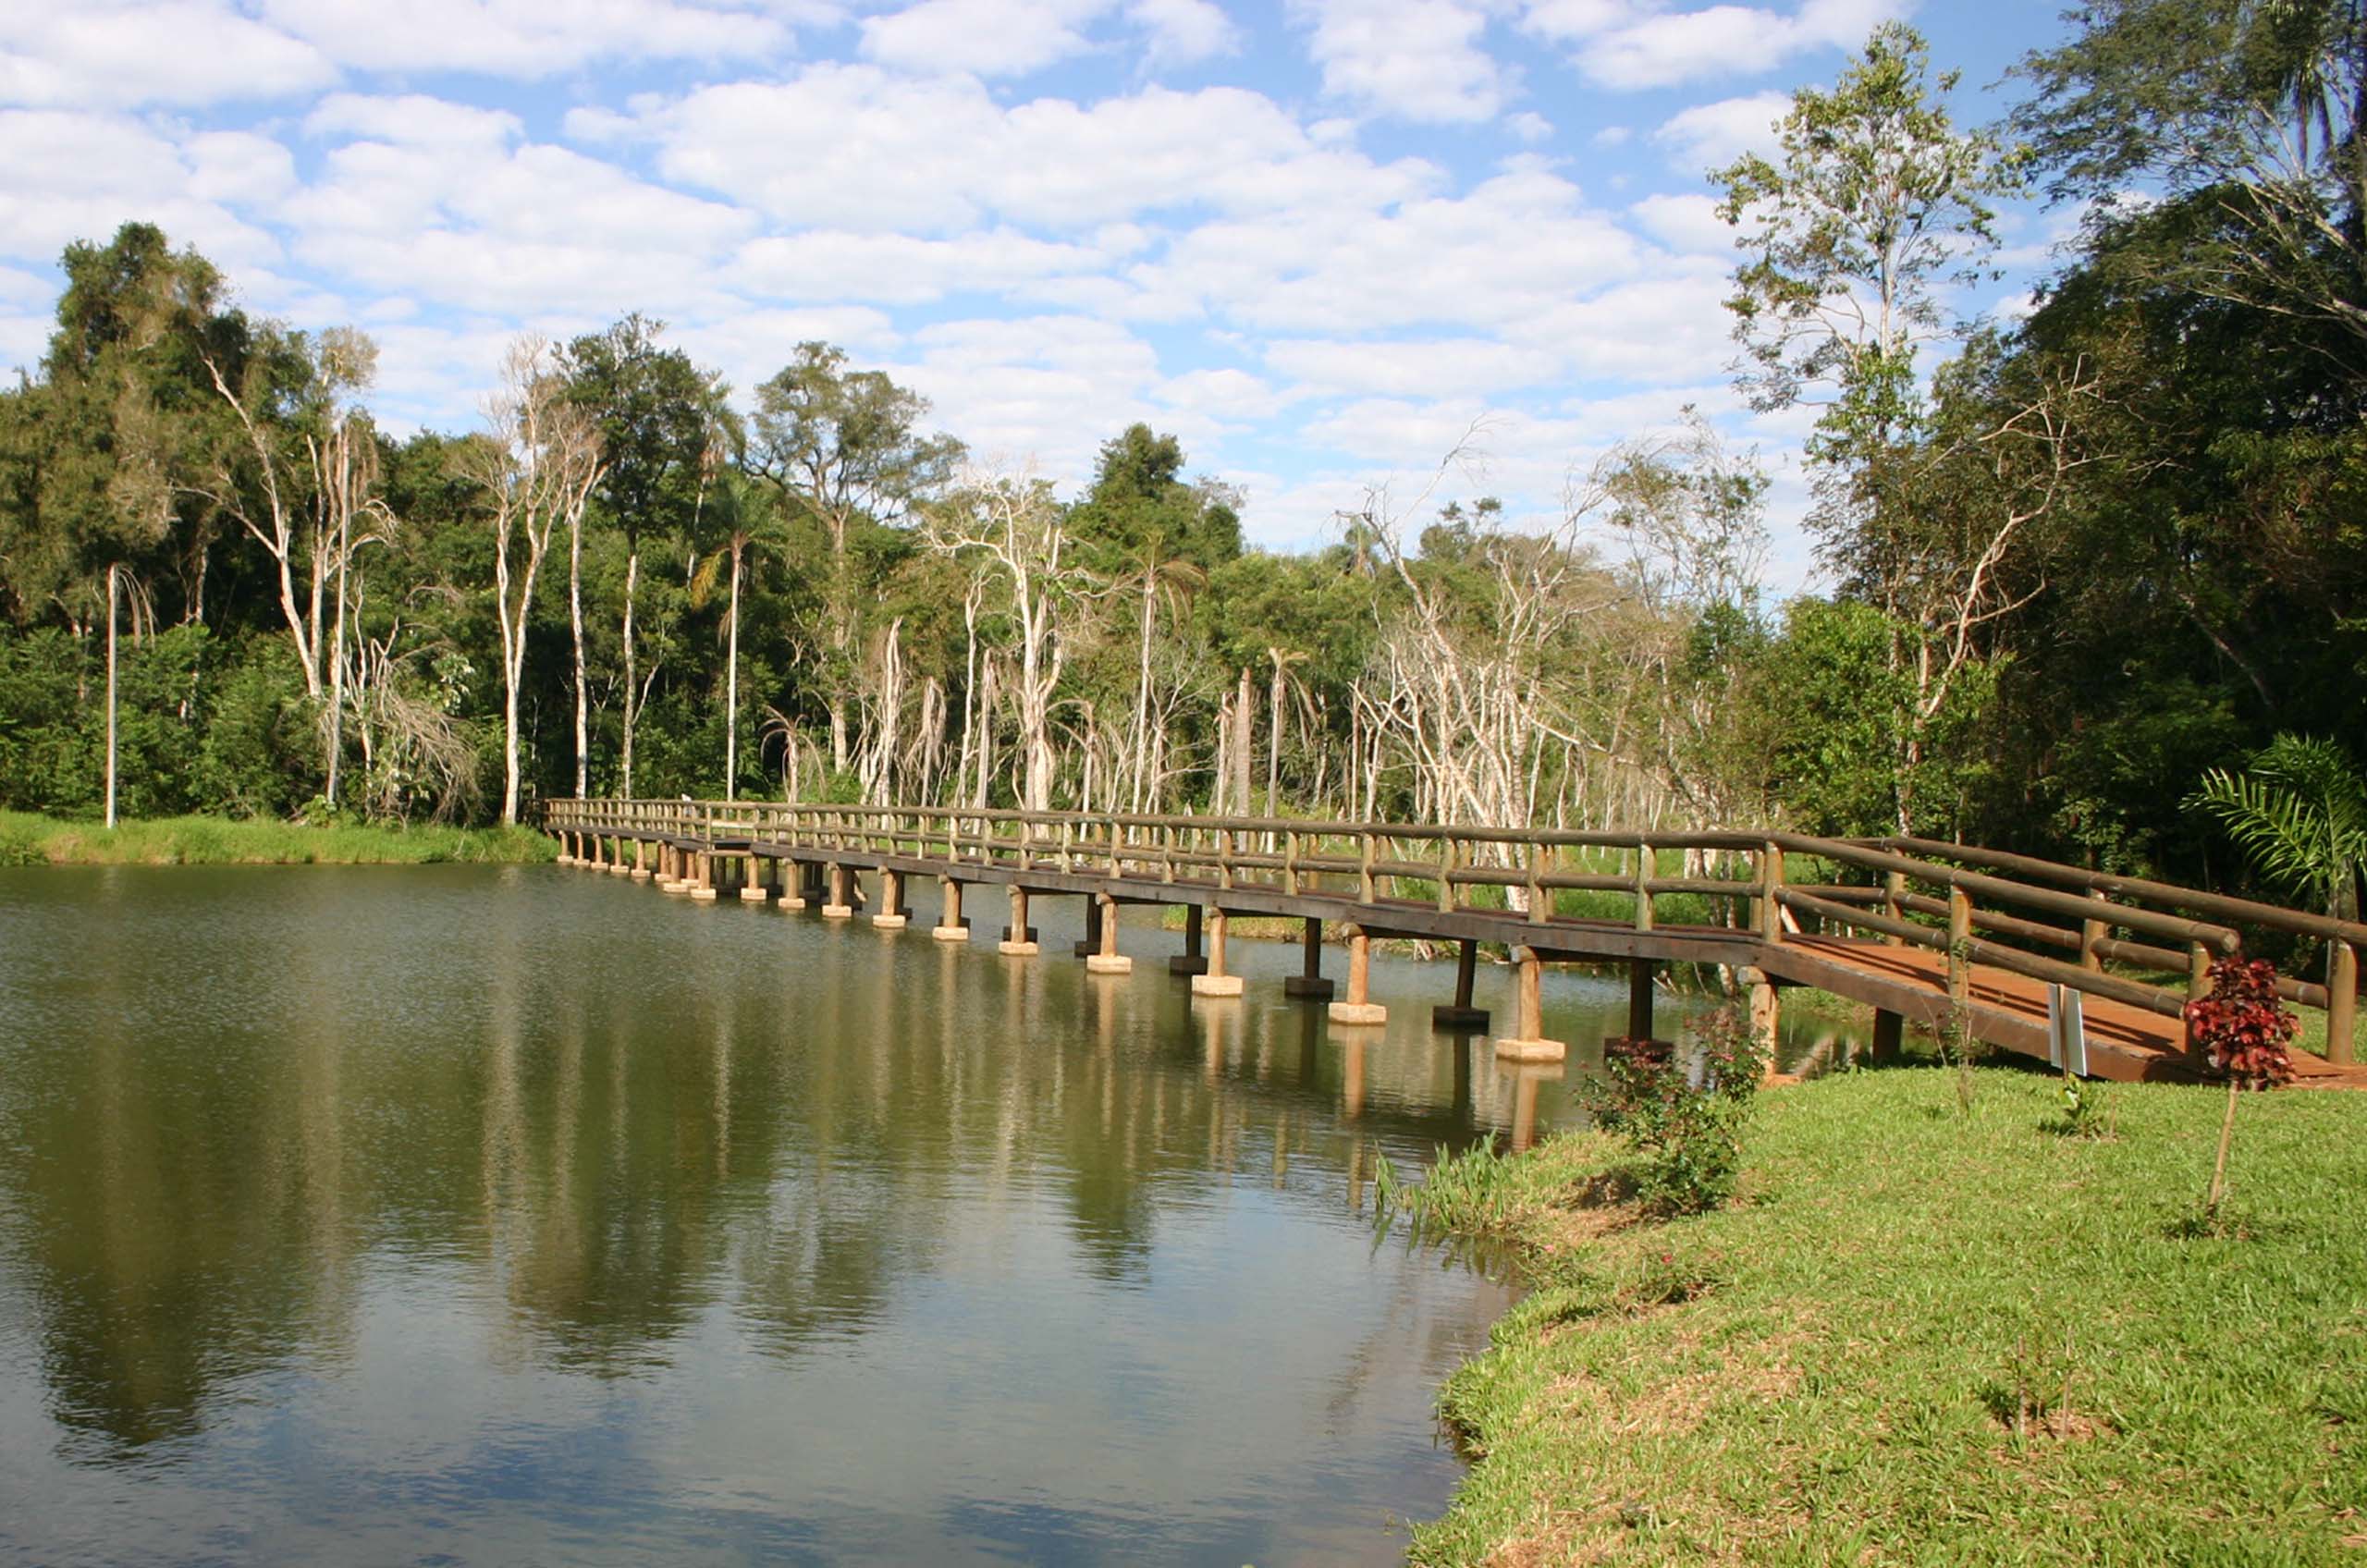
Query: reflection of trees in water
<point>615,1151</point>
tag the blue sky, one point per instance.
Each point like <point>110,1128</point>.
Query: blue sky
<point>1318,240</point>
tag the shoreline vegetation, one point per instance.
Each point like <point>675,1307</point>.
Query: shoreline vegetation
<point>1932,1326</point>
<point>28,839</point>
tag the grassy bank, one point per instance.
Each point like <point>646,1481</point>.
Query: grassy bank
<point>1929,1335</point>
<point>26,839</point>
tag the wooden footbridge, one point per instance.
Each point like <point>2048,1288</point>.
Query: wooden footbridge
<point>1933,933</point>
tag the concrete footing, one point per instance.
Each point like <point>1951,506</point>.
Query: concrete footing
<point>1194,964</point>
<point>838,911</point>
<point>1459,1020</point>
<point>890,922</point>
<point>1358,1013</point>
<point>640,874</point>
<point>754,893</point>
<point>703,895</point>
<point>1313,987</point>
<point>618,869</point>
<point>1527,1042</point>
<point>677,885</point>
<point>950,933</point>
<point>1216,984</point>
<point>1009,948</point>
<point>1109,963</point>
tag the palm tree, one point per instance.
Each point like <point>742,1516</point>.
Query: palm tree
<point>2299,815</point>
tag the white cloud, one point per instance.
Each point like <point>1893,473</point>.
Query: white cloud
<point>446,203</point>
<point>1515,245</point>
<point>855,147</point>
<point>1421,60</point>
<point>1530,126</point>
<point>95,54</point>
<point>1224,395</point>
<point>986,38</point>
<point>528,38</point>
<point>414,120</point>
<point>1047,388</point>
<point>1708,135</point>
<point>1184,32</point>
<point>905,269</point>
<point>1425,367</point>
<point>80,176</point>
<point>1632,47</point>
<point>1688,222</point>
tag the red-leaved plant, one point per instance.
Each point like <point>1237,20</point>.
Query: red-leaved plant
<point>2240,1027</point>
<point>2242,1032</point>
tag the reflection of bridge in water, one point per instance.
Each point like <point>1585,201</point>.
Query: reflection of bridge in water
<point>1931,933</point>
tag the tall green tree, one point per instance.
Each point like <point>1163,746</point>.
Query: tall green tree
<point>666,431</point>
<point>1856,239</point>
<point>846,451</point>
<point>2251,111</point>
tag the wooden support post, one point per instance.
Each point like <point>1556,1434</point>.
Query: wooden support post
<point>2198,985</point>
<point>1109,960</point>
<point>617,866</point>
<point>2342,1003</point>
<point>1770,886</point>
<point>840,903</point>
<point>1527,1041</point>
<point>1215,981</point>
<point>1192,960</point>
<point>1639,998</point>
<point>893,915</point>
<point>1644,872</point>
<point>1459,1016</point>
<point>755,889</point>
<point>702,875</point>
<point>1960,940</point>
<point>1018,937</point>
<point>1767,1019</point>
<point>1894,903</point>
<point>793,883</point>
<point>566,848</point>
<point>1309,982</point>
<point>2092,937</point>
<point>1360,1009</point>
<point>950,926</point>
<point>640,860</point>
<point>1090,943</point>
<point>1890,1031</point>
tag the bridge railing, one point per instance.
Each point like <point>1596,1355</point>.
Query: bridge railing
<point>1972,906</point>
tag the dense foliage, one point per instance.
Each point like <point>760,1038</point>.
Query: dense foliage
<point>1684,1119</point>
<point>2094,555</point>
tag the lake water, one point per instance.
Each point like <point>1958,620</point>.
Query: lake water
<point>500,1214</point>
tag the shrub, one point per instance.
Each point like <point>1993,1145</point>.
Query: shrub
<point>2242,1031</point>
<point>1686,1123</point>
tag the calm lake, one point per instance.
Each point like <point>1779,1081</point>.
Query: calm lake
<point>499,1215</point>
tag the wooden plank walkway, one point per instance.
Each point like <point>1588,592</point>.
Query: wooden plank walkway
<point>2133,1029</point>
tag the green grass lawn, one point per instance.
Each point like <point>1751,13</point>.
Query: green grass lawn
<point>1931,1336</point>
<point>27,840</point>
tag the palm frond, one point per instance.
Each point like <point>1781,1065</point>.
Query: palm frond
<point>2298,813</point>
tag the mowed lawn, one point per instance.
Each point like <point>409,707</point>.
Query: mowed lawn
<point>1931,1334</point>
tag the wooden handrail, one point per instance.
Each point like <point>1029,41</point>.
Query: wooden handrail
<point>1372,862</point>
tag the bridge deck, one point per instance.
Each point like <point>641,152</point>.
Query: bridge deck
<point>2002,1008</point>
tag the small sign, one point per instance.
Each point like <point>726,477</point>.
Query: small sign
<point>2066,1033</point>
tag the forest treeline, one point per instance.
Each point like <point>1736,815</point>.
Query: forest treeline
<point>2079,558</point>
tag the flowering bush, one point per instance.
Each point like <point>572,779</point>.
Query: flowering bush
<point>2240,1027</point>
<point>1689,1133</point>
